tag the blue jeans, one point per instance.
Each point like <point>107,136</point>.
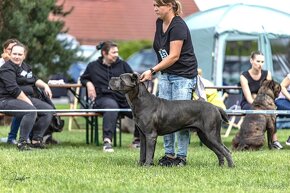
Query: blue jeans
<point>14,128</point>
<point>172,87</point>
<point>283,104</point>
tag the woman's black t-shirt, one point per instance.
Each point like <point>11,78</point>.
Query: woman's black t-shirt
<point>254,85</point>
<point>186,65</point>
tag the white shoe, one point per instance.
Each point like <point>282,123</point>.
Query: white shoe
<point>277,145</point>
<point>3,139</point>
<point>107,147</point>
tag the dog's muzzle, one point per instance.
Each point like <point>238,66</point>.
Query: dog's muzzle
<point>115,83</point>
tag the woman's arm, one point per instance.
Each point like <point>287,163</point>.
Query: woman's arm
<point>269,76</point>
<point>86,81</point>
<point>246,90</point>
<point>24,98</point>
<point>175,50</point>
<point>91,90</point>
<point>173,56</point>
<point>284,84</point>
<point>39,83</point>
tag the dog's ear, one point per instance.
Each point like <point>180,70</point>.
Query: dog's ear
<point>277,89</point>
<point>272,84</point>
<point>136,77</point>
<point>267,83</point>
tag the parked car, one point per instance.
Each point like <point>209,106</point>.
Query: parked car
<point>142,60</point>
<point>89,53</point>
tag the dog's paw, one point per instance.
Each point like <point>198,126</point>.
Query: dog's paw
<point>148,164</point>
<point>141,163</point>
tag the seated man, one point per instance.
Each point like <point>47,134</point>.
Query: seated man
<point>17,84</point>
<point>96,79</point>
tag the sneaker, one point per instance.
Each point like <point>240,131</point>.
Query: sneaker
<point>12,142</point>
<point>38,145</point>
<point>136,144</point>
<point>48,139</point>
<point>288,141</point>
<point>3,139</point>
<point>23,146</point>
<point>166,161</point>
<point>179,161</point>
<point>277,145</point>
<point>107,147</point>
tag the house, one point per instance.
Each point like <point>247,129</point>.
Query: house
<point>92,21</point>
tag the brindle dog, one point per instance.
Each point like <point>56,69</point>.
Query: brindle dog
<point>251,134</point>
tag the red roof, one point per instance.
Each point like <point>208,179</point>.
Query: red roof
<point>92,21</point>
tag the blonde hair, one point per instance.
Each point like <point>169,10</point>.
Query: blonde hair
<point>176,5</point>
<point>199,71</point>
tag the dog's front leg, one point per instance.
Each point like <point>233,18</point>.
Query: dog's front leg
<point>142,148</point>
<point>150,148</point>
<point>271,129</point>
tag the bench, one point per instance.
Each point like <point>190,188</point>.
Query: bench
<point>92,126</point>
<point>92,119</point>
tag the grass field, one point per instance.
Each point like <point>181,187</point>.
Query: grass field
<point>73,166</point>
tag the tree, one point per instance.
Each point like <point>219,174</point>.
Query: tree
<point>37,24</point>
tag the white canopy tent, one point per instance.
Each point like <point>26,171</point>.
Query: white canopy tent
<point>211,29</point>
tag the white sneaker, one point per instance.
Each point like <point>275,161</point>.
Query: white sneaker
<point>3,139</point>
<point>277,145</point>
<point>107,147</point>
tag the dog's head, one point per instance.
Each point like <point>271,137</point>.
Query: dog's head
<point>125,82</point>
<point>271,88</point>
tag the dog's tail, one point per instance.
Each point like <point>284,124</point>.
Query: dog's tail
<point>223,114</point>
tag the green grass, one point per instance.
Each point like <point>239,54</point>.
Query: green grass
<point>73,166</point>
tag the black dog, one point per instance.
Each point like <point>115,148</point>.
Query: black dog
<point>155,116</point>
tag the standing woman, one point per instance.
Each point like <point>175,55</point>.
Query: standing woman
<point>178,67</point>
<point>251,81</point>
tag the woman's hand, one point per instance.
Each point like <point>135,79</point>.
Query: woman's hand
<point>39,83</point>
<point>91,91</point>
<point>47,91</point>
<point>147,75</point>
<point>24,98</point>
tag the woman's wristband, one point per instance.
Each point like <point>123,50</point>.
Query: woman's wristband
<point>152,71</point>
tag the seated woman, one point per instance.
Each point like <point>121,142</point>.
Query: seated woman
<point>17,84</point>
<point>251,81</point>
<point>96,79</point>
<point>283,101</point>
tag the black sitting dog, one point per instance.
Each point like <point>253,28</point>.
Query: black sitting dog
<point>155,116</point>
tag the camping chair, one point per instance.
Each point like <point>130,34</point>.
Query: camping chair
<point>233,122</point>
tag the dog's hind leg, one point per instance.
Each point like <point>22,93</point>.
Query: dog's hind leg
<point>205,141</point>
<point>220,147</point>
